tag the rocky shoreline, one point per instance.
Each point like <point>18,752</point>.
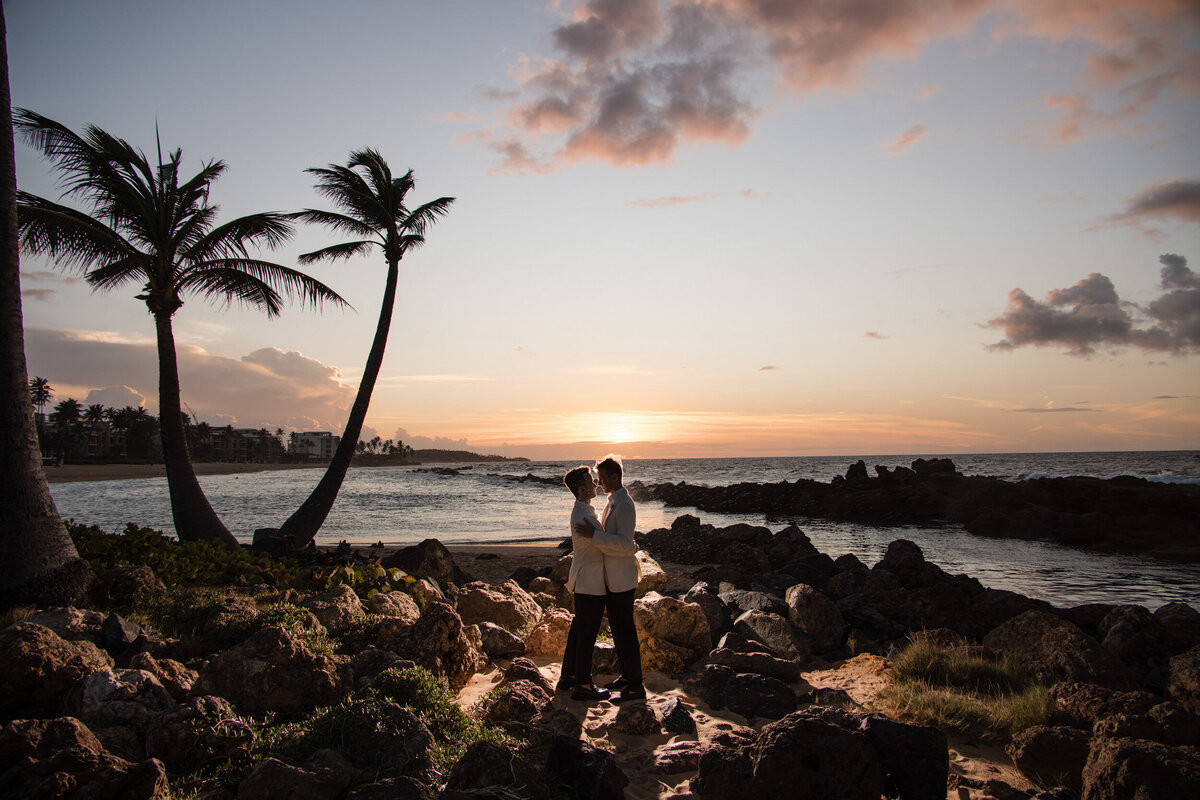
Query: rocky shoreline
<point>1123,514</point>
<point>93,700</point>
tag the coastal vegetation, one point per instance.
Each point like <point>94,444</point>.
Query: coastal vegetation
<point>372,205</point>
<point>959,688</point>
<point>148,224</point>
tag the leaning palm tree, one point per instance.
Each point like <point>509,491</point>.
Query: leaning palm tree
<point>151,227</point>
<point>41,565</point>
<point>372,208</point>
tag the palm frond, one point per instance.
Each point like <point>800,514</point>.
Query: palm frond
<point>424,216</point>
<point>337,252</point>
<point>268,229</point>
<point>70,237</point>
<point>118,273</point>
<point>339,222</point>
<point>226,285</point>
<point>213,276</point>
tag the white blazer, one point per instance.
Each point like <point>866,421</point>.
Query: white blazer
<point>621,571</point>
<point>587,562</point>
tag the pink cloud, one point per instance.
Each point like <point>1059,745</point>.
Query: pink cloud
<point>906,141</point>
<point>667,202</point>
<point>637,80</point>
<point>1172,198</point>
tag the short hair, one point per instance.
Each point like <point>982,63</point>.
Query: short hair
<point>611,464</point>
<point>574,478</point>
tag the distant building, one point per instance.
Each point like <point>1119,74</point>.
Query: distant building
<point>313,445</point>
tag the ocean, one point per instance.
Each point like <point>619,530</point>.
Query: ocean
<point>488,503</point>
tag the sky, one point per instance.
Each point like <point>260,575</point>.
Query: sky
<point>681,228</point>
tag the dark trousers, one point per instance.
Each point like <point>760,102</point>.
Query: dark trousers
<point>581,638</point>
<point>619,606</point>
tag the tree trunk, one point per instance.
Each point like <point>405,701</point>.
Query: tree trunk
<point>41,565</point>
<point>194,517</point>
<point>303,525</point>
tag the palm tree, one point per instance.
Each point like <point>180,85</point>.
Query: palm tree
<point>41,565</point>
<point>40,392</point>
<point>151,227</point>
<point>372,209</point>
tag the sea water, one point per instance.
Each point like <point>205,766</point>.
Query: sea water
<point>487,503</point>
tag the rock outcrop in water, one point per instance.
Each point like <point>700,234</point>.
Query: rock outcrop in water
<point>1122,514</point>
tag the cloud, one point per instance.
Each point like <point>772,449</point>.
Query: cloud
<point>116,397</point>
<point>43,295</point>
<point>268,387</point>
<point>1090,314</point>
<point>1067,409</point>
<point>427,443</point>
<point>633,81</point>
<point>455,116</point>
<point>906,141</point>
<point>1175,198</point>
<point>667,202</point>
<point>876,335</point>
<point>767,368</point>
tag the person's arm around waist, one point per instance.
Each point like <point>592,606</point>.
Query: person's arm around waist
<point>617,538</point>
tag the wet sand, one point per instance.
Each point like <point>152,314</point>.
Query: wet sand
<point>71,473</point>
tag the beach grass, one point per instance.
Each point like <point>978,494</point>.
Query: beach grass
<point>960,689</point>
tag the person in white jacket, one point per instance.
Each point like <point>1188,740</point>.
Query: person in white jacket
<point>586,582</point>
<point>614,538</point>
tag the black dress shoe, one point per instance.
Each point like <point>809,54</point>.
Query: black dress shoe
<point>564,686</point>
<point>617,685</point>
<point>589,693</point>
<point>631,693</point>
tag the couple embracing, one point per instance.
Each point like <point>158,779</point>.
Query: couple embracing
<point>604,575</point>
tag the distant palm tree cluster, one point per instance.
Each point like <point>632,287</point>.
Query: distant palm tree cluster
<point>381,447</point>
<point>147,225</point>
<point>96,433</point>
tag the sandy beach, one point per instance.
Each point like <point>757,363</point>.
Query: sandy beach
<point>71,473</point>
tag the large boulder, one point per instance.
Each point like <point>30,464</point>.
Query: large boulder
<point>394,604</point>
<point>129,697</point>
<point>438,641</point>
<point>60,757</point>
<point>505,604</point>
<point>1052,649</point>
<point>129,583</point>
<point>40,668</point>
<point>69,622</point>
<point>1081,705</point>
<point>498,643</point>
<point>174,676</point>
<point>651,575</point>
<point>1183,682</point>
<point>485,764</point>
<point>273,779</point>
<point>720,621</point>
<point>758,663</point>
<point>205,731</point>
<point>429,559</point>
<point>337,608</point>
<point>1051,755</point>
<point>519,700</point>
<point>817,615</point>
<point>916,759</point>
<point>270,671</point>
<point>775,633</point>
<point>743,693</point>
<point>549,637</point>
<point>585,772</point>
<point>796,757</point>
<point>671,620</point>
<point>1122,768</point>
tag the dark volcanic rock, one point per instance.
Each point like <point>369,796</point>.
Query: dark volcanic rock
<point>585,772</point>
<point>40,668</point>
<point>1122,768</point>
<point>1051,756</point>
<point>1053,649</point>
<point>915,758</point>
<point>797,757</point>
<point>1117,514</point>
<point>429,559</point>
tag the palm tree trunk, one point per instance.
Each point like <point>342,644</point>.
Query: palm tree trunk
<point>303,525</point>
<point>41,565</point>
<point>194,517</point>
